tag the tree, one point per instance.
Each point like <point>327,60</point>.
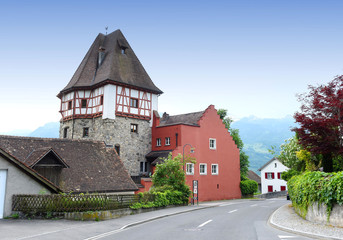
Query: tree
<point>320,121</point>
<point>243,157</point>
<point>288,154</point>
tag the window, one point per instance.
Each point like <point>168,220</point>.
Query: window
<point>212,143</point>
<point>215,169</point>
<point>158,142</point>
<point>167,141</point>
<point>83,103</point>
<point>189,168</point>
<point>85,132</point>
<point>122,50</point>
<point>134,102</point>
<point>102,100</point>
<point>143,167</point>
<point>203,169</point>
<point>134,128</point>
<point>283,188</point>
<point>65,132</point>
<point>69,105</point>
<point>117,148</point>
<point>269,175</point>
<point>275,164</point>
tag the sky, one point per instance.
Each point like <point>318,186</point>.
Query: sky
<point>249,57</point>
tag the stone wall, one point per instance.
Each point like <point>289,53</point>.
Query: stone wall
<point>133,145</point>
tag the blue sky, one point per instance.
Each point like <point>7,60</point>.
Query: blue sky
<point>250,57</point>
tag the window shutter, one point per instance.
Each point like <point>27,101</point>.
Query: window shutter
<point>279,175</point>
<point>266,175</point>
<point>272,175</point>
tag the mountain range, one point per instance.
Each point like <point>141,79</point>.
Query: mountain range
<point>257,134</point>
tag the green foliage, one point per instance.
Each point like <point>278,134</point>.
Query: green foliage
<point>170,176</point>
<point>248,187</point>
<point>289,174</point>
<point>243,157</point>
<point>288,154</point>
<point>310,187</point>
<point>159,199</point>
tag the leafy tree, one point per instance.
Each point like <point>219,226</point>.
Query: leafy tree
<point>320,121</point>
<point>170,176</point>
<point>288,154</point>
<point>243,157</point>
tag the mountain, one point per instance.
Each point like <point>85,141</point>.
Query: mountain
<point>49,130</point>
<point>260,134</point>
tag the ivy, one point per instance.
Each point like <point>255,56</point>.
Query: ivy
<point>310,187</point>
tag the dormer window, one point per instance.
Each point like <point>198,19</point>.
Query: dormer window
<point>122,50</point>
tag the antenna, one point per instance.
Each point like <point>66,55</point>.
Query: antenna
<point>106,29</point>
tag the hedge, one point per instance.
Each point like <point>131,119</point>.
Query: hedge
<point>310,187</point>
<point>248,187</point>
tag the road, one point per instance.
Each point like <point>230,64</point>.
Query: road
<point>238,219</point>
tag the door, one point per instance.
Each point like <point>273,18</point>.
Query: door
<point>270,188</point>
<point>3,176</point>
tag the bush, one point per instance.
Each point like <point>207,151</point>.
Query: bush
<point>289,174</point>
<point>310,187</point>
<point>248,187</point>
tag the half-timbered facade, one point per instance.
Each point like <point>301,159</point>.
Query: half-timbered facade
<point>111,98</point>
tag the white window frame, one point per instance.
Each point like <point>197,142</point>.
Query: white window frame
<point>214,145</point>
<point>205,169</point>
<point>217,169</point>
<point>269,175</point>
<point>167,143</point>
<point>190,168</point>
<point>158,142</point>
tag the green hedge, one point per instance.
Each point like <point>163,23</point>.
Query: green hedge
<point>248,187</point>
<point>310,187</point>
<point>159,199</point>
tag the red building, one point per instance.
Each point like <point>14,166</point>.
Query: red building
<point>217,166</point>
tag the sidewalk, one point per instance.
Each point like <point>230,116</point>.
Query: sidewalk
<point>287,220</point>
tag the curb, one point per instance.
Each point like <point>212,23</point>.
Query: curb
<point>290,230</point>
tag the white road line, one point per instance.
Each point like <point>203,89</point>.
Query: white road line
<point>254,205</point>
<point>203,224</point>
<point>228,204</point>
<point>104,234</point>
<point>286,237</point>
<point>233,211</point>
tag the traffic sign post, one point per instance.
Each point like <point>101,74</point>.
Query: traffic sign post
<point>195,192</point>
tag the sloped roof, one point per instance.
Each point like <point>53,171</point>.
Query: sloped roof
<point>31,172</point>
<point>157,156</point>
<point>93,167</point>
<point>187,119</point>
<point>267,163</point>
<point>38,154</point>
<point>116,68</point>
<point>253,176</point>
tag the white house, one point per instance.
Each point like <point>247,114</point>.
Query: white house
<point>271,176</point>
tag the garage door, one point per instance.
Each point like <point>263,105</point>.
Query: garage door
<point>3,175</point>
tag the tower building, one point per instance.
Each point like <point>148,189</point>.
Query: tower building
<point>111,98</point>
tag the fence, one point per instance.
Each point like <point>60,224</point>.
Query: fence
<point>70,202</point>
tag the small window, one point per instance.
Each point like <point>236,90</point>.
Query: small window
<point>212,143</point>
<point>83,103</point>
<point>134,102</point>
<point>158,142</point>
<point>85,132</point>
<point>122,50</point>
<point>269,175</point>
<point>69,105</point>
<point>134,128</point>
<point>143,167</point>
<point>214,169</point>
<point>117,148</point>
<point>275,165</point>
<point>190,169</point>
<point>203,169</point>
<point>167,141</point>
<point>102,100</point>
<point>65,132</point>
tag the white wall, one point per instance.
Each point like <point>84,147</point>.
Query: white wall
<point>276,183</point>
<point>109,101</point>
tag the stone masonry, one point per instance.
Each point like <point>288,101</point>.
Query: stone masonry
<point>116,132</point>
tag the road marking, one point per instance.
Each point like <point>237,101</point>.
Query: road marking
<point>228,204</point>
<point>286,237</point>
<point>254,205</point>
<point>233,211</point>
<point>104,234</point>
<point>203,224</point>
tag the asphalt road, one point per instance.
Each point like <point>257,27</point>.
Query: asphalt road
<point>236,219</point>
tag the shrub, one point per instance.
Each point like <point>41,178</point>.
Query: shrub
<point>310,187</point>
<point>248,187</point>
<point>289,174</point>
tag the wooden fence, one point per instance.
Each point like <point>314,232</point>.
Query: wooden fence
<point>70,202</point>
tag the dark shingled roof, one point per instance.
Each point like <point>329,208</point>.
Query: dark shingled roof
<point>156,157</point>
<point>117,68</point>
<point>93,167</point>
<point>187,119</point>
<point>253,176</point>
